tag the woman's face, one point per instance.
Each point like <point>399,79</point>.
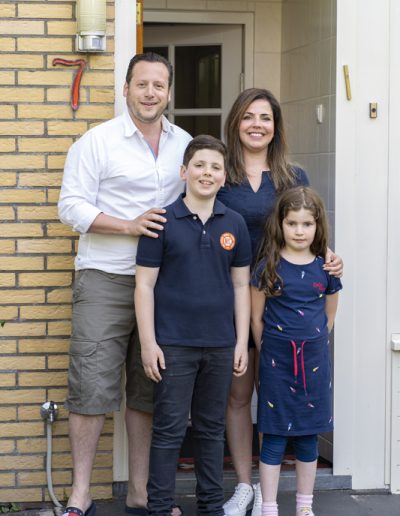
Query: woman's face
<point>256,129</point>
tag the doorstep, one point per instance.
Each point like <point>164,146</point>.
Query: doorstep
<point>186,482</point>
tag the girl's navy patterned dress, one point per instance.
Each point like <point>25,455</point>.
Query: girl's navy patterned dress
<point>295,395</point>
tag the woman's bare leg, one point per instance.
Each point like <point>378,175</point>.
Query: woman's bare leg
<point>239,425</point>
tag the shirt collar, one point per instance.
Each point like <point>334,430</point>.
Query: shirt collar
<point>181,210</point>
<point>130,128</point>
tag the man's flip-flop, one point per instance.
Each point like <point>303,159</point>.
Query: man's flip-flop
<point>74,511</point>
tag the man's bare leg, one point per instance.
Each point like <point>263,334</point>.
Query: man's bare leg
<point>138,425</point>
<point>84,433</point>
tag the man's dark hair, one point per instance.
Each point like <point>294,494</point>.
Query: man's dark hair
<point>149,57</point>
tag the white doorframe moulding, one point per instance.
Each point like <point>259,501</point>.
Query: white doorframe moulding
<point>125,49</point>
<point>125,46</point>
<point>393,282</point>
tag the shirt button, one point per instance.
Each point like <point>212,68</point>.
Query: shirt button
<point>194,217</point>
<point>204,232</point>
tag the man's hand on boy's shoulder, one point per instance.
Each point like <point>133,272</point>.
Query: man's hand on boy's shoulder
<point>240,360</point>
<point>153,360</point>
<point>147,223</point>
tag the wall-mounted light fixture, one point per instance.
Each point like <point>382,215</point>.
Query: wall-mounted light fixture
<point>91,25</point>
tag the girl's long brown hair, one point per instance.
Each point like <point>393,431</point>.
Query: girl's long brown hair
<point>273,242</point>
<point>282,173</point>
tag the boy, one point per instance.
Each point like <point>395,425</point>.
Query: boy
<point>193,318</point>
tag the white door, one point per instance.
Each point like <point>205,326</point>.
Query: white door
<point>207,61</point>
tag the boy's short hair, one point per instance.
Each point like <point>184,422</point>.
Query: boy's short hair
<point>204,141</point>
<point>149,57</point>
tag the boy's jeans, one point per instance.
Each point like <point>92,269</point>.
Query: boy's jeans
<point>196,380</point>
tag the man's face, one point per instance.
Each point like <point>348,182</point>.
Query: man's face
<point>147,93</point>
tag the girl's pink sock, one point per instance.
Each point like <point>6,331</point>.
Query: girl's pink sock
<point>303,500</point>
<point>269,509</point>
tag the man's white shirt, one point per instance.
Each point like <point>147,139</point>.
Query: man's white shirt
<point>111,169</point>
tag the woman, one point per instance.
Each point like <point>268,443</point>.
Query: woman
<point>258,170</point>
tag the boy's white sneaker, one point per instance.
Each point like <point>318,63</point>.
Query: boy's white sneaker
<point>304,511</point>
<point>240,502</point>
<point>257,505</point>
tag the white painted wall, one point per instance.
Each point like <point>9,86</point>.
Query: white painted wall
<point>361,238</point>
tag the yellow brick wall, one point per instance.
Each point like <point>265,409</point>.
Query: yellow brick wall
<point>37,126</point>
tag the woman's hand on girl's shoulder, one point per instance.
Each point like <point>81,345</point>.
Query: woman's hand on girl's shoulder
<point>333,264</point>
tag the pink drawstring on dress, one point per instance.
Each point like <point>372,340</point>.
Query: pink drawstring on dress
<point>295,364</point>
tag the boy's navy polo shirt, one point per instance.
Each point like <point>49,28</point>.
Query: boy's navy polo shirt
<point>194,301</point>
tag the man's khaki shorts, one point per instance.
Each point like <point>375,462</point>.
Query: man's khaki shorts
<point>104,339</point>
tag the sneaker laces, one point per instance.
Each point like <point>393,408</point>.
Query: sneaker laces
<point>240,497</point>
<point>306,511</point>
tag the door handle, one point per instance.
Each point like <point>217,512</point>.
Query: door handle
<point>395,342</point>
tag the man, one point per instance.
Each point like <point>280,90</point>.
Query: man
<point>117,177</point>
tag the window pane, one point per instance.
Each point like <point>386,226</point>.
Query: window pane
<point>198,77</point>
<point>196,125</point>
<point>162,51</point>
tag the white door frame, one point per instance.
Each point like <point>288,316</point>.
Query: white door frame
<point>393,316</point>
<point>125,49</point>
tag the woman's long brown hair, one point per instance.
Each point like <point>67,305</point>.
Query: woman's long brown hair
<point>293,199</point>
<point>282,173</point>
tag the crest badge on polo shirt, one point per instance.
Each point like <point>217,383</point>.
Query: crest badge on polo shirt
<point>227,241</point>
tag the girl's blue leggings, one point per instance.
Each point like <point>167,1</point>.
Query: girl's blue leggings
<point>273,448</point>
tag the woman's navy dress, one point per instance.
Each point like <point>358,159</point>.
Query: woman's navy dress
<point>255,206</point>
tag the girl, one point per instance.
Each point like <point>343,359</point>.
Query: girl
<point>294,304</point>
<point>258,171</point>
